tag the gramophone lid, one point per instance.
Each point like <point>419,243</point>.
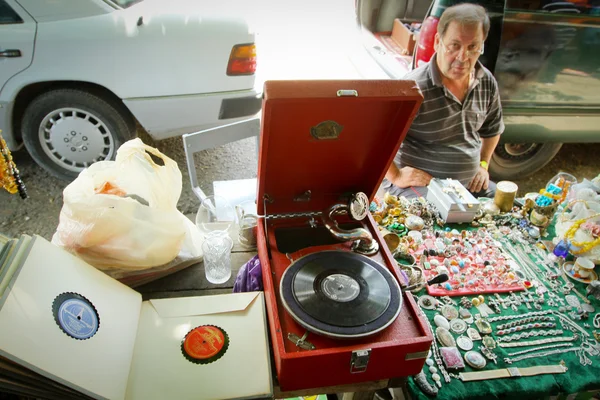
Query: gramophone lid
<point>329,137</point>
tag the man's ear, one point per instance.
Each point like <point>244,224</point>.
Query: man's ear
<point>436,41</point>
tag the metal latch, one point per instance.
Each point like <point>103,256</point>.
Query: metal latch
<point>359,361</point>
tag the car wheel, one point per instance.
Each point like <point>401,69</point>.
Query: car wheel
<point>67,130</point>
<point>513,161</point>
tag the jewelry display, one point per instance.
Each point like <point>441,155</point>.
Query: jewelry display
<point>552,346</point>
<point>519,336</point>
<point>436,353</point>
<point>441,322</point>
<point>540,341</point>
<point>489,342</point>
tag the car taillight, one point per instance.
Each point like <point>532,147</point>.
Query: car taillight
<point>242,60</point>
<point>425,47</point>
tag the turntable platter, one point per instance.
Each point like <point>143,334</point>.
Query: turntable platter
<point>340,294</point>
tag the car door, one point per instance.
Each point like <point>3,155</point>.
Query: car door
<point>17,38</point>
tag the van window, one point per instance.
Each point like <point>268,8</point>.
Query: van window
<point>8,15</point>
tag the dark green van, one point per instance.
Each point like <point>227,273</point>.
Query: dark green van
<point>545,56</point>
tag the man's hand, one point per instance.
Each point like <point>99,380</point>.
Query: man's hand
<point>410,176</point>
<point>480,181</point>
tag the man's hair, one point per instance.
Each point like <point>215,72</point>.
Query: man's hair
<point>466,14</point>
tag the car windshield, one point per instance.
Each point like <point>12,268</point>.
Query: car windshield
<point>126,3</point>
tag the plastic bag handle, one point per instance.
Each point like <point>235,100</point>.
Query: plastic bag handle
<point>149,149</point>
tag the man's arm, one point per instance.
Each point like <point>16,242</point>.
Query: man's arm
<point>407,176</point>
<point>488,145</point>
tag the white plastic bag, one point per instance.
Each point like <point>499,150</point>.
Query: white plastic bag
<point>121,216</point>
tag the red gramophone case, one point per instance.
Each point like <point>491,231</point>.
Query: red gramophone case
<point>322,141</point>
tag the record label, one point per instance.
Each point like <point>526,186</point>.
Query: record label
<point>75,315</point>
<point>340,287</point>
<point>205,344</point>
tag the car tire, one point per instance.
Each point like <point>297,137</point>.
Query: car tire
<point>513,161</point>
<point>67,130</point>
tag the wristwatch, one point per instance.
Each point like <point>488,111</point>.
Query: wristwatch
<point>484,164</point>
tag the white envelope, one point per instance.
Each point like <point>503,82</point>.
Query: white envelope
<point>160,371</point>
<point>136,351</point>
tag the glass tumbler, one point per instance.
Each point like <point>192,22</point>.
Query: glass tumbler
<point>217,257</point>
<point>215,215</point>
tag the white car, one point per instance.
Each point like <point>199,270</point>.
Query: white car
<point>75,75</point>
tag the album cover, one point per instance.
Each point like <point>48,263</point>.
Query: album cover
<point>69,329</point>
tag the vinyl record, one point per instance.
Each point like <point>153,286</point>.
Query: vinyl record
<point>340,294</point>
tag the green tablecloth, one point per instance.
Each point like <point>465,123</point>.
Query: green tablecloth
<point>577,379</point>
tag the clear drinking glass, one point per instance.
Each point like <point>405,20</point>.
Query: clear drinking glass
<point>215,215</point>
<point>217,257</point>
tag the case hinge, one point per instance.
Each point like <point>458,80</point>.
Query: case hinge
<point>359,361</point>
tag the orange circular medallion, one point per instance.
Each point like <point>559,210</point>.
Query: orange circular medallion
<point>205,344</point>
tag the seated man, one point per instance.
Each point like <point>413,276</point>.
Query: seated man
<point>459,123</point>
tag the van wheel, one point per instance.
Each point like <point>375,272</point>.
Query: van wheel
<point>513,161</point>
<point>67,130</point>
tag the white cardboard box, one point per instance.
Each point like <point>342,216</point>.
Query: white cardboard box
<point>455,203</point>
<point>135,353</point>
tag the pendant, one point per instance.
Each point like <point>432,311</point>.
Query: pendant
<point>458,326</point>
<point>450,312</point>
<point>464,343</point>
<point>452,358</point>
<point>473,334</point>
<point>441,322</point>
<point>483,326</point>
<point>475,360</point>
<point>489,342</point>
<point>445,337</point>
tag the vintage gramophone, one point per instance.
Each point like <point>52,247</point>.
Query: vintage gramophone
<point>336,312</point>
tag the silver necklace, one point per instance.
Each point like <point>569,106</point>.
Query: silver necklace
<point>519,336</point>
<point>540,341</point>
<point>552,346</point>
<point>509,317</point>
<point>509,360</point>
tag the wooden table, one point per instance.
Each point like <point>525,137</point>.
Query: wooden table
<point>191,281</point>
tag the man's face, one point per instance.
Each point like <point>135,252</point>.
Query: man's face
<point>459,49</point>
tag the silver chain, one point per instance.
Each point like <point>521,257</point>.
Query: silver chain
<point>508,317</point>
<point>540,341</point>
<point>541,318</point>
<point>509,360</point>
<point>293,215</point>
<point>518,336</point>
<point>552,346</point>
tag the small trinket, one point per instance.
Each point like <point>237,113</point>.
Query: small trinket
<point>430,362</point>
<point>427,302</point>
<point>464,313</point>
<point>489,354</point>
<point>458,325</point>
<point>473,334</point>
<point>450,312</point>
<point>452,358</point>
<point>414,222</point>
<point>441,322</point>
<point>483,326</point>
<point>424,385</point>
<point>445,338</point>
<point>464,343</point>
<point>489,342</point>
<point>475,360</point>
